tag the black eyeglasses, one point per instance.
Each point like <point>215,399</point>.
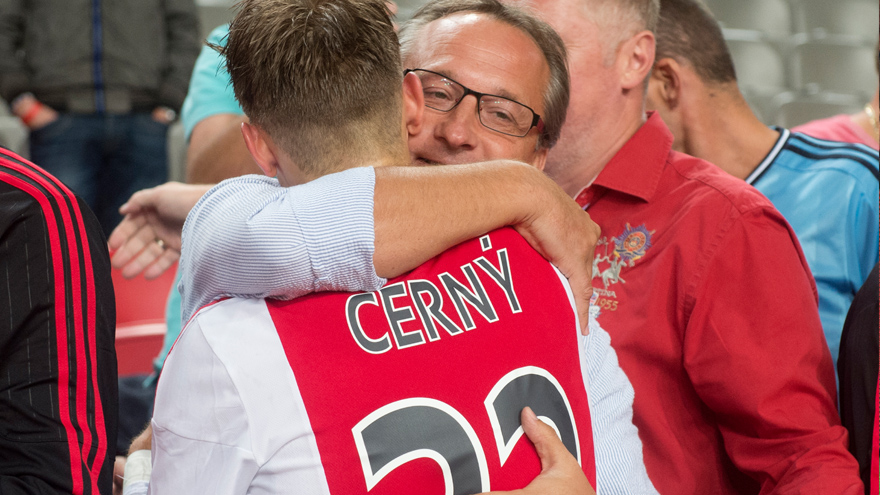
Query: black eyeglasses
<point>495,112</point>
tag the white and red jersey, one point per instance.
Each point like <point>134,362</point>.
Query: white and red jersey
<point>417,387</point>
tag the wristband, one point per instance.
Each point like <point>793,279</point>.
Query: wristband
<point>138,468</point>
<point>28,117</point>
<point>20,98</point>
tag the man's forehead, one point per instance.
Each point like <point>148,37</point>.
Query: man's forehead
<point>483,53</point>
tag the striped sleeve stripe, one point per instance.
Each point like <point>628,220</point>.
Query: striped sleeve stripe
<point>818,149</point>
<point>826,144</point>
<point>56,201</point>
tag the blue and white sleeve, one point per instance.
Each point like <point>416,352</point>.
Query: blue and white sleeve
<point>620,466</point>
<point>250,237</point>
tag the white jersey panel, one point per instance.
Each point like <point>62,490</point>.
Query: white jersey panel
<point>246,428</point>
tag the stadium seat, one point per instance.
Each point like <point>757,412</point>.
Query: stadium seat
<point>767,16</point>
<point>139,300</point>
<point>844,17</point>
<point>834,66</point>
<point>760,69</point>
<point>793,109</point>
<point>136,347</point>
<point>213,14</point>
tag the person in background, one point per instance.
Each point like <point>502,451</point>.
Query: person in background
<point>57,357</point>
<point>862,127</point>
<point>684,256</point>
<point>858,371</point>
<point>827,191</point>
<point>97,83</point>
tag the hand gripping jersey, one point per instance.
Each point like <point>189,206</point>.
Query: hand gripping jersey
<point>416,388</point>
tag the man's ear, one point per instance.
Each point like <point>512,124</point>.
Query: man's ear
<point>540,158</point>
<point>413,104</point>
<point>635,59</point>
<point>665,83</point>
<point>260,147</point>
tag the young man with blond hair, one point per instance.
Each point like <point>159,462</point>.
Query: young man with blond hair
<point>325,412</point>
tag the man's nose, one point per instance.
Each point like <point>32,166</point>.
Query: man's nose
<point>460,125</point>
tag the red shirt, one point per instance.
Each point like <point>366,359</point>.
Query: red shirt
<point>713,313</point>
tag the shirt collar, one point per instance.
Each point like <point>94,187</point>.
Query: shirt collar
<point>768,160</point>
<point>637,167</point>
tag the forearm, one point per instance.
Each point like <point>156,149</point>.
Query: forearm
<point>252,238</point>
<point>268,241</point>
<point>422,211</point>
<point>217,151</point>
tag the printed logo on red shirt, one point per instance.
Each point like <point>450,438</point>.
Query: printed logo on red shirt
<point>620,252</point>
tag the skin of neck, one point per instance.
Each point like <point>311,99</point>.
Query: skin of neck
<point>399,156</point>
<point>579,163</point>
<point>718,126</point>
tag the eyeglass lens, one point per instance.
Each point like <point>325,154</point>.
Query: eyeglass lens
<point>497,113</point>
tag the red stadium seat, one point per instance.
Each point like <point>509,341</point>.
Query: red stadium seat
<point>141,300</point>
<point>136,347</point>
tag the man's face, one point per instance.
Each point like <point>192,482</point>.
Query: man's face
<point>594,83</point>
<point>486,56</point>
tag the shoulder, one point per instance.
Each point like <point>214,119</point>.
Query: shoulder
<point>30,193</point>
<point>213,341</point>
<point>218,35</point>
<point>808,154</point>
<point>238,191</point>
<point>708,190</point>
<point>820,127</point>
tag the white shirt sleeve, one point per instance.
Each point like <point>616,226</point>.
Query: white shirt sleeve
<point>620,466</point>
<point>250,237</point>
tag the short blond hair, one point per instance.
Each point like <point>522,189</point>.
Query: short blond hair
<point>321,77</point>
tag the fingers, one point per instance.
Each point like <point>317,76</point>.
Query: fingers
<point>560,472</point>
<point>151,253</point>
<point>128,239</point>
<point>582,289</point>
<point>126,228</point>
<point>138,201</point>
<point>547,443</point>
<point>140,250</point>
<point>162,263</point>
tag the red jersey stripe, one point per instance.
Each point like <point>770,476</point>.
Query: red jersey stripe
<point>60,323</point>
<point>78,271</point>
